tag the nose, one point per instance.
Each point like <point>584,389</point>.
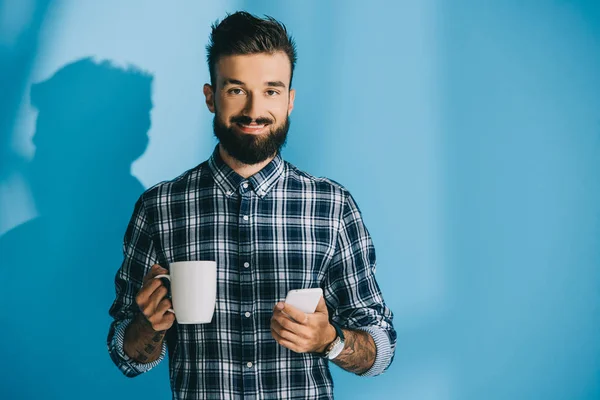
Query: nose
<point>254,107</point>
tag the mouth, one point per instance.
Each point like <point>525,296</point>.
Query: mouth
<point>252,128</point>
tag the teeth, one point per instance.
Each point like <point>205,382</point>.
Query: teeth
<point>253,126</point>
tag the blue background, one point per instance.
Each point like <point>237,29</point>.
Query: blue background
<point>468,132</point>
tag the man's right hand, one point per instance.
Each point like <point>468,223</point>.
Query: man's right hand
<point>144,336</point>
<point>152,301</point>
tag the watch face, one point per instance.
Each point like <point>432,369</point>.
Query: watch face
<point>337,348</point>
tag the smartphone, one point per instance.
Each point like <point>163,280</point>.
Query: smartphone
<point>305,300</point>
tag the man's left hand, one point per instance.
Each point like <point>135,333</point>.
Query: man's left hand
<point>301,332</point>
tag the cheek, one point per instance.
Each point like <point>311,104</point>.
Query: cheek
<point>230,107</point>
<point>280,111</point>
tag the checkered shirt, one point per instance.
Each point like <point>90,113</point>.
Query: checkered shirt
<point>278,230</point>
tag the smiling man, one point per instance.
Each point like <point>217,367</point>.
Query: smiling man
<point>271,228</point>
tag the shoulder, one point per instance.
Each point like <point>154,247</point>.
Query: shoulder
<point>176,187</point>
<point>296,176</point>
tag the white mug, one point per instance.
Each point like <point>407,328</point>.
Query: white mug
<point>193,290</point>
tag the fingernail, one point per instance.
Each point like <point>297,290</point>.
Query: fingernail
<point>280,306</point>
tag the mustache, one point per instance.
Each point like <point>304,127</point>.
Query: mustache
<point>242,119</point>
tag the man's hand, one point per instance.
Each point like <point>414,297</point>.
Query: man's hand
<point>152,301</point>
<point>301,332</point>
<point>144,337</point>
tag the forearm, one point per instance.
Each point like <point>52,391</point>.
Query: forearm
<point>359,352</point>
<point>142,343</point>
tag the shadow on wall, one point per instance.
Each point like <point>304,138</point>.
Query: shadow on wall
<point>92,125</point>
<point>19,38</point>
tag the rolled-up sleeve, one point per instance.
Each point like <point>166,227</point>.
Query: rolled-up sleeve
<point>139,256</point>
<point>351,291</point>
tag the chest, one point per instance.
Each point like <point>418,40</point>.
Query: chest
<point>280,242</point>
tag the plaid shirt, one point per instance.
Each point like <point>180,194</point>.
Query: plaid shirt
<point>278,230</point>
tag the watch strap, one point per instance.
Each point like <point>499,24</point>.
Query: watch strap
<point>338,329</point>
<point>338,338</point>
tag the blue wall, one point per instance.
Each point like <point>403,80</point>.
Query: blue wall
<point>469,134</point>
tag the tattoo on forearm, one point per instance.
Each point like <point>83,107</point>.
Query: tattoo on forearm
<point>158,337</point>
<point>359,352</point>
<point>141,343</point>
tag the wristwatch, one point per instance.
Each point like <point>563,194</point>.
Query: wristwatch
<point>335,348</point>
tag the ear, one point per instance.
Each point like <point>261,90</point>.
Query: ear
<point>210,97</point>
<point>291,104</point>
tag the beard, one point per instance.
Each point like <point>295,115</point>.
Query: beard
<point>248,148</point>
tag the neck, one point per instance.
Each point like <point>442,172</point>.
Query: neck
<point>240,168</point>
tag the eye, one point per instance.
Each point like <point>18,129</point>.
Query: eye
<point>272,93</point>
<point>235,91</point>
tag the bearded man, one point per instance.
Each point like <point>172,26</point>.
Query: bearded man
<point>270,228</point>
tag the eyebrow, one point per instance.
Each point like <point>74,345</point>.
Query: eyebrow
<point>276,84</point>
<point>270,83</point>
<point>232,82</point>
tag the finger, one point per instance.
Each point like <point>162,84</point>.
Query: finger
<point>156,297</point>
<point>297,315</point>
<point>290,325</point>
<point>282,332</point>
<point>146,291</point>
<point>154,271</point>
<point>285,343</point>
<point>162,319</point>
<point>163,307</point>
<point>167,321</point>
<point>277,310</point>
<point>284,321</point>
<point>164,323</point>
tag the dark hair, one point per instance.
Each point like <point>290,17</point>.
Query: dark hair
<point>242,33</point>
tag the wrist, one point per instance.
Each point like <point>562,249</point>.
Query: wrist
<point>330,336</point>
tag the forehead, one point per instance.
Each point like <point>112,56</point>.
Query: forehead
<point>255,69</point>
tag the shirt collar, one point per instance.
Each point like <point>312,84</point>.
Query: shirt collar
<point>230,181</point>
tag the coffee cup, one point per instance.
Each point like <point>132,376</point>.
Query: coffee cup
<point>193,290</point>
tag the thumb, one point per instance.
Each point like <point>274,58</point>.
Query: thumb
<point>322,307</point>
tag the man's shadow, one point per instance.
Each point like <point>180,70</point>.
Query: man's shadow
<point>58,269</point>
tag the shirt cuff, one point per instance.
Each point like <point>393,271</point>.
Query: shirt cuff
<point>384,352</point>
<point>126,364</point>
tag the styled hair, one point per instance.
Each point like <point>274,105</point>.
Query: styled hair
<point>242,33</point>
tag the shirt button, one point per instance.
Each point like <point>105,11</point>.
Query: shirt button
<point>247,314</point>
<point>245,186</point>
<point>246,264</point>
<point>249,365</point>
<point>245,218</point>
